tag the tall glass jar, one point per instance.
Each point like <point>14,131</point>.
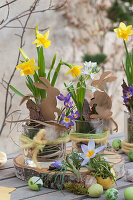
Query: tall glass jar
<point>85,130</point>
<point>50,152</point>
<point>93,126</point>
<point>128,126</point>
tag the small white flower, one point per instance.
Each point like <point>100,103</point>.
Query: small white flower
<point>94,89</point>
<point>90,69</point>
<point>90,64</point>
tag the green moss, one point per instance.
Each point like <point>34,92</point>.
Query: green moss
<point>75,188</point>
<point>99,58</point>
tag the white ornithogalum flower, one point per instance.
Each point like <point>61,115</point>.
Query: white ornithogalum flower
<point>94,89</point>
<point>90,69</point>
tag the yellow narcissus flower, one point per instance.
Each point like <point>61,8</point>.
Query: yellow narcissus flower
<point>27,68</point>
<point>123,31</point>
<point>75,71</point>
<point>42,40</point>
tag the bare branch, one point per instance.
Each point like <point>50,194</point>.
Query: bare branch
<point>25,13</point>
<point>7,4</point>
<point>8,108</point>
<point>30,28</point>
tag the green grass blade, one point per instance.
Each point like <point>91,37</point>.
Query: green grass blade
<point>57,70</point>
<point>27,84</point>
<point>41,62</point>
<point>80,96</point>
<point>16,91</point>
<point>36,78</point>
<point>32,87</point>
<point>41,71</point>
<point>52,65</point>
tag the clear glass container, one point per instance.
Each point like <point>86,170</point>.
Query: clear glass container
<point>128,126</point>
<point>93,126</point>
<point>94,129</point>
<point>50,152</point>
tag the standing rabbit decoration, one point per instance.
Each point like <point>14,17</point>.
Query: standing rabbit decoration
<point>48,106</point>
<point>101,100</point>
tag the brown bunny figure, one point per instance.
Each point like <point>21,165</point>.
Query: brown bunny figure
<point>100,83</point>
<point>48,105</point>
<point>101,100</point>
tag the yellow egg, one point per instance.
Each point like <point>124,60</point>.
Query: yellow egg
<point>107,182</point>
<point>3,158</point>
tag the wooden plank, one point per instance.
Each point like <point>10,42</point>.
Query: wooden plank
<point>13,182</point>
<point>7,165</point>
<point>25,193</point>
<point>129,165</point>
<point>13,155</point>
<point>7,173</point>
<point>122,183</point>
<point>57,195</point>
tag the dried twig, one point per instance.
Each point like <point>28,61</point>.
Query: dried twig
<point>7,4</point>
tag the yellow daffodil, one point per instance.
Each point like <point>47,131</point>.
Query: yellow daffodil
<point>75,71</point>
<point>123,31</point>
<point>42,40</point>
<point>27,68</point>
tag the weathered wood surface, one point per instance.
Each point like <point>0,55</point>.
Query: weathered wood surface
<point>22,192</point>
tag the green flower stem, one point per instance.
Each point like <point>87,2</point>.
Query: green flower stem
<point>67,64</point>
<point>127,52</point>
<point>127,67</point>
<point>60,117</point>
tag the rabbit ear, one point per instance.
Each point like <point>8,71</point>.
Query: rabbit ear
<point>40,85</point>
<point>105,74</point>
<point>45,81</point>
<point>110,79</point>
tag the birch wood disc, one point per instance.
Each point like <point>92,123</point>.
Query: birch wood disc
<point>25,172</point>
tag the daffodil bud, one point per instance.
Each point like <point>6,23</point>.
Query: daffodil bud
<point>36,30</point>
<point>24,54</point>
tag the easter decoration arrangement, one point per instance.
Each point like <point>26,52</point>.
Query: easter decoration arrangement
<point>94,113</point>
<point>123,32</point>
<point>86,168</point>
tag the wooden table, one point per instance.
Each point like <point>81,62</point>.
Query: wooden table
<point>22,192</point>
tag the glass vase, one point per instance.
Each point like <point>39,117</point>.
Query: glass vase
<point>128,126</point>
<point>93,126</point>
<point>85,130</point>
<point>50,152</point>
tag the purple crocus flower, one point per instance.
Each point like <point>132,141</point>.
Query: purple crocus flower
<point>75,115</point>
<point>57,164</point>
<point>68,104</point>
<point>89,151</point>
<point>128,93</point>
<point>67,120</point>
<point>67,97</point>
<point>61,97</point>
